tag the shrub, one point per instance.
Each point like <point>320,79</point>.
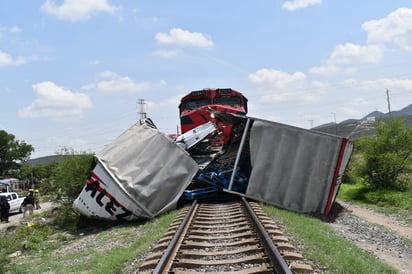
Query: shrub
<point>387,155</point>
<point>72,173</point>
<point>70,176</point>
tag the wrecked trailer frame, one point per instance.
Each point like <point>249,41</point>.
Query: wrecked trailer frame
<point>292,168</point>
<point>140,175</point>
<point>143,173</point>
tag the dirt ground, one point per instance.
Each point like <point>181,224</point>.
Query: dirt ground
<point>384,243</point>
<point>391,223</point>
<point>17,218</point>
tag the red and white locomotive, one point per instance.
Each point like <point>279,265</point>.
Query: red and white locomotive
<point>201,106</point>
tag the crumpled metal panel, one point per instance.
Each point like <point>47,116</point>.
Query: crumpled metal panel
<point>142,172</point>
<point>193,136</point>
<point>292,168</point>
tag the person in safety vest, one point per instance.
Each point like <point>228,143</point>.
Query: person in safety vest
<point>36,196</point>
<point>28,204</point>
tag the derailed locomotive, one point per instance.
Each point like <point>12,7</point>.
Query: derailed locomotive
<point>144,173</point>
<point>201,106</point>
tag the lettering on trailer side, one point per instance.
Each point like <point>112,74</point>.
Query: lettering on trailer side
<point>112,205</point>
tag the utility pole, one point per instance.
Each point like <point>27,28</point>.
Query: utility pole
<point>389,103</point>
<point>311,124</point>
<point>336,125</point>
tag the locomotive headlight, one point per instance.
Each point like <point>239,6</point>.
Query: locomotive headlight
<point>212,115</point>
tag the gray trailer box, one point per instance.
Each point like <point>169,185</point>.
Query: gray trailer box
<point>141,174</point>
<point>294,168</point>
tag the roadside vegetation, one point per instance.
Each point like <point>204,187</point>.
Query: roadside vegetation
<point>379,176</point>
<point>397,203</point>
<point>99,248</point>
<point>328,251</point>
<point>380,171</point>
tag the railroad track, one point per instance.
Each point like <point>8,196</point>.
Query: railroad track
<point>229,237</point>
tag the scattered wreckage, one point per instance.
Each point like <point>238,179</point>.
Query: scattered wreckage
<point>144,173</point>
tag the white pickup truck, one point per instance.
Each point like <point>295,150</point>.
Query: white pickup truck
<point>14,200</point>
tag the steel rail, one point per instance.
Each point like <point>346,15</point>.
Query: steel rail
<point>164,262</point>
<point>273,253</point>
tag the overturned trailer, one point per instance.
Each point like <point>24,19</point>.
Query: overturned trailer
<point>293,168</point>
<point>143,173</point>
<point>140,174</point>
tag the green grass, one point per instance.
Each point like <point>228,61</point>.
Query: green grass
<point>383,200</point>
<point>324,247</point>
<point>99,255</point>
<point>26,238</point>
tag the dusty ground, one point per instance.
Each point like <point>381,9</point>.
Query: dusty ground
<point>382,235</point>
<point>17,218</point>
<point>390,222</point>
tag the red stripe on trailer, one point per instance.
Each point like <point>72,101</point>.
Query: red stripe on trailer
<point>94,175</point>
<point>335,177</point>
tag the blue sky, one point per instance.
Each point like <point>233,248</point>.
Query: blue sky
<point>72,71</point>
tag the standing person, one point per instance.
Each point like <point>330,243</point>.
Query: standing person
<point>4,209</point>
<point>36,196</point>
<point>28,204</point>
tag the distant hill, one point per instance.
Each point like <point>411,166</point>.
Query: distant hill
<point>45,160</point>
<point>355,128</point>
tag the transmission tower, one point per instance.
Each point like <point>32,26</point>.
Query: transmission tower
<point>142,112</point>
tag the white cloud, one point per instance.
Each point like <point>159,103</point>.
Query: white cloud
<point>326,70</point>
<point>94,62</point>
<point>166,53</point>
<point>276,79</point>
<point>345,56</point>
<point>387,83</point>
<point>278,86</point>
<point>182,37</point>
<point>350,53</point>
<point>108,74</point>
<point>13,29</point>
<point>165,113</point>
<point>7,60</point>
<point>356,107</point>
<point>370,95</point>
<point>300,4</point>
<point>166,103</point>
<point>56,103</point>
<point>76,10</point>
<point>114,83</point>
<point>396,28</point>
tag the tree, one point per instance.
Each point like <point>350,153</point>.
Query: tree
<point>41,175</point>
<point>72,173</point>
<point>12,153</point>
<point>387,155</point>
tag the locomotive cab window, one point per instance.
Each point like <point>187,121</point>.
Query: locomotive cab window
<point>228,100</point>
<point>194,104</point>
